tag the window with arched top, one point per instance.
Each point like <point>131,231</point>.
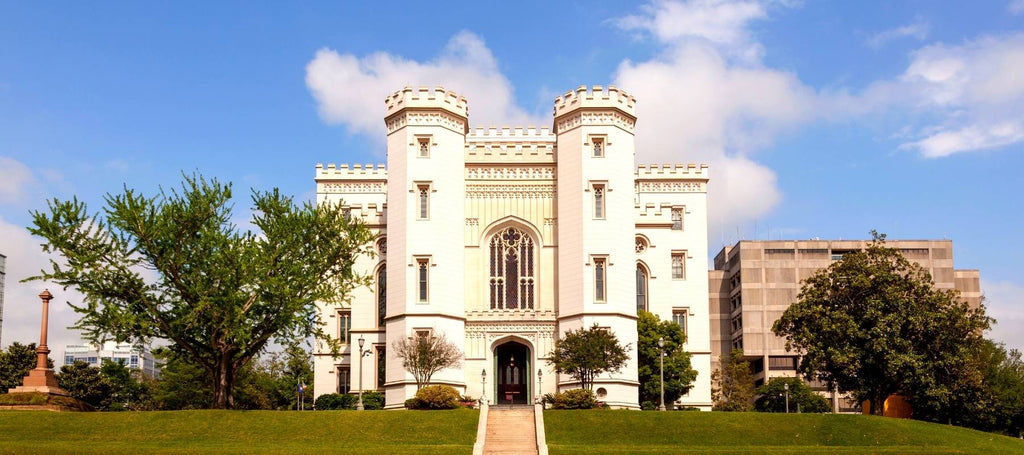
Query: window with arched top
<point>641,288</point>
<point>382,295</point>
<point>511,273</point>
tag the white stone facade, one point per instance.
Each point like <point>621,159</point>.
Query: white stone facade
<point>504,239</point>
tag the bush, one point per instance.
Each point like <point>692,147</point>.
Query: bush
<point>572,399</point>
<point>773,398</point>
<point>372,401</point>
<point>335,401</point>
<point>434,397</point>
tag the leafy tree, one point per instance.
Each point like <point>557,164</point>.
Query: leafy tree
<point>733,384</point>
<point>174,266</point>
<point>679,375</point>
<point>772,397</point>
<point>586,353</point>
<point>1003,399</point>
<point>424,356</point>
<point>15,363</point>
<point>86,383</point>
<point>183,384</point>
<point>129,390</point>
<point>873,325</point>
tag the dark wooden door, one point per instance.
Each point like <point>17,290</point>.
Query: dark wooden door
<point>513,374</point>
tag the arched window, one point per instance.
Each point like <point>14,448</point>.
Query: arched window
<point>511,270</point>
<point>382,295</point>
<point>641,288</point>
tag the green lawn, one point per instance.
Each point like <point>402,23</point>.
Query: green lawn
<point>202,432</point>
<point>598,432</point>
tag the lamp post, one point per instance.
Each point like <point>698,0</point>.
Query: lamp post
<point>661,358</point>
<point>785,387</point>
<point>362,353</point>
<point>540,389</point>
<point>483,387</point>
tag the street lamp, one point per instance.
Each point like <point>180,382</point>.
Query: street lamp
<point>483,387</point>
<point>785,386</point>
<point>661,357</point>
<point>362,353</point>
<point>540,389</point>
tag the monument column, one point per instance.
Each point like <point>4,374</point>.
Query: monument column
<point>42,379</point>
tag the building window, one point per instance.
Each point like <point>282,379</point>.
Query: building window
<point>512,279</point>
<point>344,379</point>
<point>677,219</point>
<point>424,147</point>
<point>423,277</point>
<point>344,325</point>
<point>599,280</point>
<point>737,343</point>
<point>737,323</point>
<point>679,265</point>
<point>641,245</point>
<point>599,202</point>
<point>598,147</point>
<point>423,208</point>
<point>381,366</point>
<point>382,247</point>
<point>382,295</point>
<point>641,288</point>
<point>679,317</point>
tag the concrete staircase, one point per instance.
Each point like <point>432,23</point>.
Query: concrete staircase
<point>511,431</point>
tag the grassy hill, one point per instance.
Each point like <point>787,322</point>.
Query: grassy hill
<point>445,432</point>
<point>597,432</point>
<point>209,432</point>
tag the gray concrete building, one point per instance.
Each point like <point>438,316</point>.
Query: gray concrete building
<point>754,281</point>
<point>3,276</point>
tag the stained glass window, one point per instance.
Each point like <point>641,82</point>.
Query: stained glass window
<point>511,270</point>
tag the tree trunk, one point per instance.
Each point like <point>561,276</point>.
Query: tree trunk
<point>224,383</point>
<point>878,404</point>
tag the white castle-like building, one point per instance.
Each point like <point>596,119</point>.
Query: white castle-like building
<point>503,239</point>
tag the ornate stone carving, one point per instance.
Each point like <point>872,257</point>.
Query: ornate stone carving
<point>596,118</point>
<point>427,118</point>
<point>355,187</point>
<point>510,173</point>
<point>671,187</point>
<point>510,191</point>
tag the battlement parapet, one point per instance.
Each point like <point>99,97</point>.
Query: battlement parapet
<point>426,98</point>
<point>528,133</point>
<point>356,172</point>
<point>598,97</point>
<point>492,149</point>
<point>672,171</point>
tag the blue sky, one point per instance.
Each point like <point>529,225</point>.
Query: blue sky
<point>818,119</point>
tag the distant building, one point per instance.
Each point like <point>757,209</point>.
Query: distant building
<point>131,356</point>
<point>3,275</point>
<point>754,282</point>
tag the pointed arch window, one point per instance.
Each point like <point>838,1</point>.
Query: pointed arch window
<point>382,295</point>
<point>641,288</point>
<point>511,272</point>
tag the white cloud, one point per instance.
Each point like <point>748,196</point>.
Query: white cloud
<point>722,23</point>
<point>1004,301</point>
<point>15,181</point>
<point>1015,7</point>
<point>350,90</point>
<point>917,30</point>
<point>22,308</point>
<point>975,90</point>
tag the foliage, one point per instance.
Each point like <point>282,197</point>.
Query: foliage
<point>732,385</point>
<point>772,397</point>
<point>183,384</point>
<point>15,363</point>
<point>272,381</point>
<point>86,383</point>
<point>571,399</point>
<point>423,356</point>
<point>129,390</point>
<point>873,324</point>
<point>1003,394</point>
<point>230,432</point>
<point>373,401</point>
<point>335,401</point>
<point>435,397</point>
<point>586,353</point>
<point>679,375</point>
<point>174,266</point>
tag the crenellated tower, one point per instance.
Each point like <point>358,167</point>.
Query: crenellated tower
<point>426,139</point>
<point>596,255</point>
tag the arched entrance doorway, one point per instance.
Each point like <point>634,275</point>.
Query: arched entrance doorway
<point>513,368</point>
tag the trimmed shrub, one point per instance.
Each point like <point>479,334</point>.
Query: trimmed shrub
<point>335,401</point>
<point>435,397</point>
<point>372,401</point>
<point>572,399</point>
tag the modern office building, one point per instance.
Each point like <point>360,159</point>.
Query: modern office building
<point>134,357</point>
<point>754,281</point>
<point>503,239</point>
<point>3,276</point>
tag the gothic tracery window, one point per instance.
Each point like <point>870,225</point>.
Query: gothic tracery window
<point>511,271</point>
